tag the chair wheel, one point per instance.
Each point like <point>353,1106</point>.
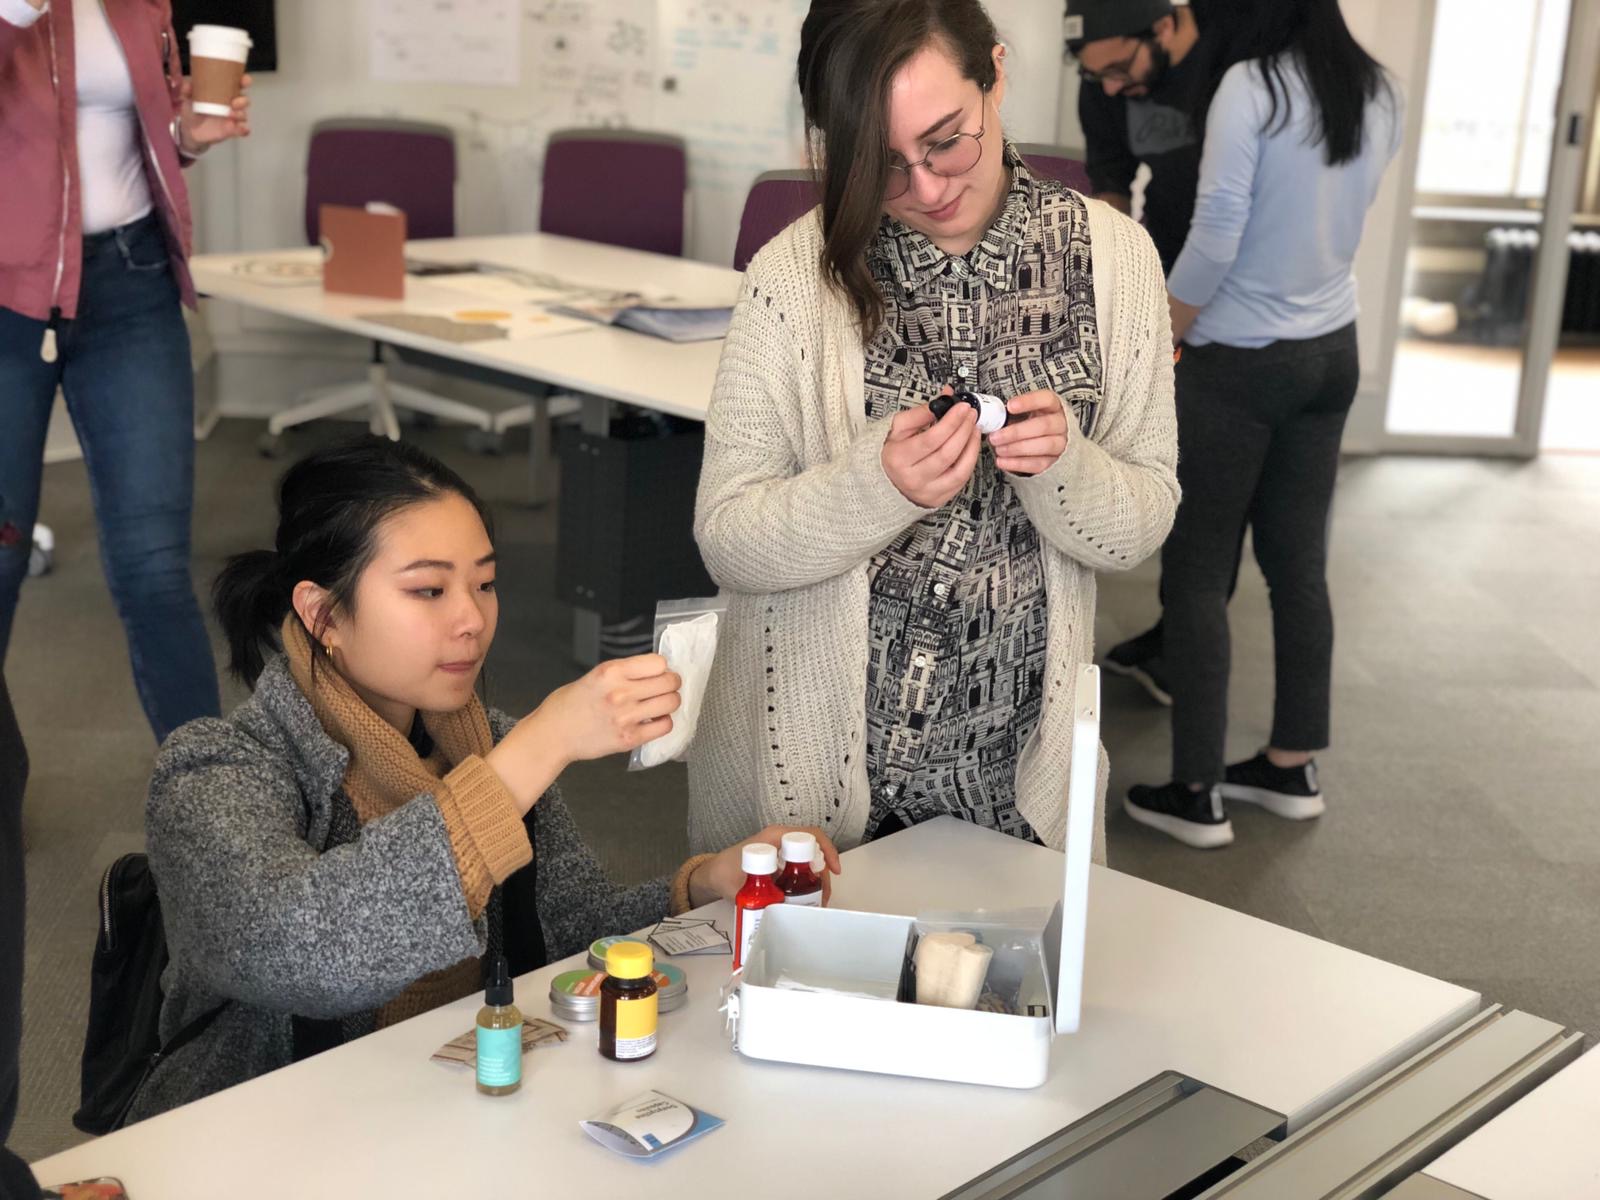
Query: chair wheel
<point>486,441</point>
<point>270,445</point>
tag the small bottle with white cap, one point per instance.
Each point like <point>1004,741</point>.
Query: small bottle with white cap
<point>759,892</point>
<point>798,881</point>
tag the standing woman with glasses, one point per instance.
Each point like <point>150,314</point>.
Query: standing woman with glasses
<point>910,598</point>
<point>96,124</point>
<point>1300,129</point>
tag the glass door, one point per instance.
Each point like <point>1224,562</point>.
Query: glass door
<point>1491,336</point>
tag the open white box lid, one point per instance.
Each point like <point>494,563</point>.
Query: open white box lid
<point>1064,936</point>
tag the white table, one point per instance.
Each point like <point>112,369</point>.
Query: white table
<point>598,364</point>
<point>1172,983</point>
<point>1544,1147</point>
<point>610,364</point>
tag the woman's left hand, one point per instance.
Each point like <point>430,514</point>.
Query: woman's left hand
<point>1032,446</point>
<point>720,878</point>
<point>198,132</point>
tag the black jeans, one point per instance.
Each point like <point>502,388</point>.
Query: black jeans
<point>1258,438</point>
<point>16,1181</point>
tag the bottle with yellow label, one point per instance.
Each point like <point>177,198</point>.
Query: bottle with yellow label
<point>628,1003</point>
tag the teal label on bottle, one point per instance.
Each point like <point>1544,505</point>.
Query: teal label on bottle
<point>499,1056</point>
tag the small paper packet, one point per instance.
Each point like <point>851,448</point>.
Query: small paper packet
<point>463,1050</point>
<point>648,1125</point>
<point>675,937</point>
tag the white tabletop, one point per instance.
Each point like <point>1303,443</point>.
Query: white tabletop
<point>1274,1016</point>
<point>1541,1148</point>
<point>613,363</point>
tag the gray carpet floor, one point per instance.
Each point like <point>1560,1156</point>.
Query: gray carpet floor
<point>1462,837</point>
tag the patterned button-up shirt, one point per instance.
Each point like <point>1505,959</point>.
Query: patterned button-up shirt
<point>957,618</point>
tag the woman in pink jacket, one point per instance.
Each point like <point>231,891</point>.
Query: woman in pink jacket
<point>94,234</point>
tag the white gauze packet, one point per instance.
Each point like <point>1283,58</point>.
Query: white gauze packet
<point>686,636</point>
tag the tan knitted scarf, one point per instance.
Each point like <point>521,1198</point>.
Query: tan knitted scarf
<point>385,773</point>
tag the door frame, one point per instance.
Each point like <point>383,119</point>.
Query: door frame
<point>1574,106</point>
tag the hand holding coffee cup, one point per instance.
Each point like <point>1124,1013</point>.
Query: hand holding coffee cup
<point>216,107</point>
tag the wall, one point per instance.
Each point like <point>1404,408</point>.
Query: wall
<point>719,72</point>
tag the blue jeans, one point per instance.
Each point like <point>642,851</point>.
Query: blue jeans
<point>124,366</point>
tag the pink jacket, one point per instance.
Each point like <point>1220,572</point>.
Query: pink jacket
<point>41,225</point>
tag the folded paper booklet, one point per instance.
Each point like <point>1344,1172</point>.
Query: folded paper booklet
<point>675,323</point>
<point>675,937</point>
<point>648,1125</point>
<point>464,1049</point>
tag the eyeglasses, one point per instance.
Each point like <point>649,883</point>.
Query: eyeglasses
<point>1117,72</point>
<point>954,156</point>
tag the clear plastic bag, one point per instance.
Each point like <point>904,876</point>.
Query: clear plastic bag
<point>686,635</point>
<point>1017,980</point>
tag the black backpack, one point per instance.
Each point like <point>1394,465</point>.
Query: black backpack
<point>123,1043</point>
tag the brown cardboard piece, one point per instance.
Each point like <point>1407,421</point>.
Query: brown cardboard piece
<point>366,252</point>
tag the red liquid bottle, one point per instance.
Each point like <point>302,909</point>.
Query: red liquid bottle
<point>798,881</point>
<point>758,894</point>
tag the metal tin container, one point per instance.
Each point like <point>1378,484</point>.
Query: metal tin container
<point>575,995</point>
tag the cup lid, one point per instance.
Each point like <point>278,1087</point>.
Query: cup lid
<point>220,31</point>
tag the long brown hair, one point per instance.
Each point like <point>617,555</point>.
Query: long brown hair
<point>850,51</point>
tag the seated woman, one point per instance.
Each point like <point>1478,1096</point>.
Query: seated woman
<point>338,854</point>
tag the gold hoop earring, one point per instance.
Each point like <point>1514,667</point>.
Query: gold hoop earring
<point>328,650</point>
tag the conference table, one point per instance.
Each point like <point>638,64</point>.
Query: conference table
<point>1542,1148</point>
<point>522,275</point>
<point>1277,1028</point>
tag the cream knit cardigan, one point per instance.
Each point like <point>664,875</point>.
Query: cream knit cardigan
<point>794,502</point>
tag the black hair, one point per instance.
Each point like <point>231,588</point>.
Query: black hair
<point>850,51</point>
<point>1341,76</point>
<point>330,505</point>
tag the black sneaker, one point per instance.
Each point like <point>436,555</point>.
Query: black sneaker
<point>1139,659</point>
<point>1194,818</point>
<point>1292,792</point>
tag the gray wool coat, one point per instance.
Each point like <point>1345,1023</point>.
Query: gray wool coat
<point>275,897</point>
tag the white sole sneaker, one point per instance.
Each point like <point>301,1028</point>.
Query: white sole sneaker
<point>1281,804</point>
<point>1190,833</point>
<point>1140,676</point>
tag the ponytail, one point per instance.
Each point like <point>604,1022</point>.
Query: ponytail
<point>251,599</point>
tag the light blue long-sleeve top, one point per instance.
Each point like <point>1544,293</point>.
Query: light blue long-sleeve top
<point>1275,227</point>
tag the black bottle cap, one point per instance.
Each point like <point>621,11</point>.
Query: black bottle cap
<point>498,993</point>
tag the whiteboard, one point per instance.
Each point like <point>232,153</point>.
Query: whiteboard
<point>719,73</point>
<point>446,41</point>
<point>727,71</point>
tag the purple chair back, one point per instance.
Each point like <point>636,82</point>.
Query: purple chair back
<point>776,200</point>
<point>1052,162</point>
<point>622,187</point>
<point>408,164</point>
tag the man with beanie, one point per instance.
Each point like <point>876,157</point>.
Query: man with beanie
<point>1142,64</point>
<point>16,1181</point>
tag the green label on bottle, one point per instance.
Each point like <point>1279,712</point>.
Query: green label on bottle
<point>499,1056</point>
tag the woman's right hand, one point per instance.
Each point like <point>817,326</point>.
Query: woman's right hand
<point>930,461</point>
<point>616,707</point>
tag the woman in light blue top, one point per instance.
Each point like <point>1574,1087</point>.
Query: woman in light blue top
<point>1300,126</point>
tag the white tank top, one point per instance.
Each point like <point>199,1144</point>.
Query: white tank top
<point>110,144</point>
